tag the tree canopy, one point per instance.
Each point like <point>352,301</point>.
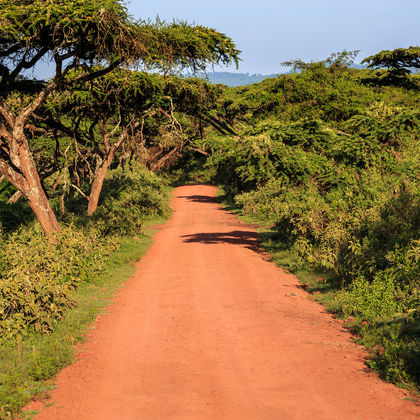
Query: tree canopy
<point>398,58</point>
<point>78,33</point>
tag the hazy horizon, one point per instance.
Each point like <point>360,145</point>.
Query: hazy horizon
<point>270,32</point>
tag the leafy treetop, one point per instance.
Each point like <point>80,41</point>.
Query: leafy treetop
<point>78,33</point>
<point>337,60</point>
<point>73,32</point>
<point>398,58</point>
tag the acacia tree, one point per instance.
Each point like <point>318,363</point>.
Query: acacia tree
<point>397,64</point>
<point>71,34</point>
<point>99,116</point>
<point>76,34</point>
<point>125,108</point>
<point>400,58</point>
<point>184,106</point>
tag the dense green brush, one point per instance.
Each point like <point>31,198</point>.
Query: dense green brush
<point>332,159</point>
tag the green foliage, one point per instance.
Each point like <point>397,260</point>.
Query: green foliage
<point>333,164</point>
<point>193,46</point>
<point>38,277</point>
<point>28,364</point>
<point>85,40</point>
<point>398,58</point>
<point>100,31</point>
<point>398,64</point>
<point>124,114</point>
<point>12,216</point>
<point>129,196</point>
<point>50,292</point>
<point>80,30</point>
<point>395,347</point>
<point>336,61</point>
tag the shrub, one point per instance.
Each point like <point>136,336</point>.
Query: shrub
<point>127,197</point>
<point>333,163</point>
<point>38,277</point>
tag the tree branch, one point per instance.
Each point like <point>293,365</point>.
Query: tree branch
<point>27,64</point>
<point>5,133</point>
<point>13,176</point>
<point>79,191</point>
<point>7,113</point>
<point>11,50</point>
<point>26,113</point>
<point>97,73</point>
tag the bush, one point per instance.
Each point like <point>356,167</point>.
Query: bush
<point>333,163</point>
<point>127,197</point>
<point>38,277</point>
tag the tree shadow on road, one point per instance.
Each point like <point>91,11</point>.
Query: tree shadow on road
<point>200,198</point>
<point>248,239</point>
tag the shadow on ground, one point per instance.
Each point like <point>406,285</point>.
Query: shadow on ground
<point>200,198</point>
<point>247,239</point>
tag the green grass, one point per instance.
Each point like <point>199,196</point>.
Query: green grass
<point>27,367</point>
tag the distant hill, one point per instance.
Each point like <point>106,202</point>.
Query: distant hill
<point>235,79</point>
<point>243,79</point>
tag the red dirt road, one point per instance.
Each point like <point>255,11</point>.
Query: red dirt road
<point>208,329</point>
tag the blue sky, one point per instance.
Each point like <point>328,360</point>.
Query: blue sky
<point>269,32</point>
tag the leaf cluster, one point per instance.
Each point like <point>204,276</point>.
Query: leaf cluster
<point>398,58</point>
<point>79,33</point>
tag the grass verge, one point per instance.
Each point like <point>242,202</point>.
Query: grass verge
<point>28,365</point>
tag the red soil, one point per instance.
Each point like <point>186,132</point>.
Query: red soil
<point>208,329</point>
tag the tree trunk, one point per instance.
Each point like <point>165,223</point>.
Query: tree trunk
<point>24,176</point>
<point>97,185</point>
<point>44,213</point>
<point>19,165</point>
<point>34,192</point>
<point>102,167</point>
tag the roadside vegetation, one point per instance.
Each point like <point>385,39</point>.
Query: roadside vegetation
<point>50,292</point>
<point>329,156</point>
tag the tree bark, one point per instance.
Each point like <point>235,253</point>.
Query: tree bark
<point>18,165</point>
<point>27,181</point>
<point>102,167</point>
<point>44,213</point>
<point>32,187</point>
<point>15,197</point>
<point>97,184</point>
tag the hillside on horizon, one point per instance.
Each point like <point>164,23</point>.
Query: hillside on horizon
<point>235,79</point>
<point>232,79</point>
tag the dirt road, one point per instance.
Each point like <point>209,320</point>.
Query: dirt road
<point>209,330</point>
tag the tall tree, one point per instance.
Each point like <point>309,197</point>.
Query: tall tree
<point>77,34</point>
<point>141,111</point>
<point>395,66</point>
<point>395,59</point>
<point>70,34</point>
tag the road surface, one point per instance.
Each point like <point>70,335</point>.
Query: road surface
<point>208,329</point>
